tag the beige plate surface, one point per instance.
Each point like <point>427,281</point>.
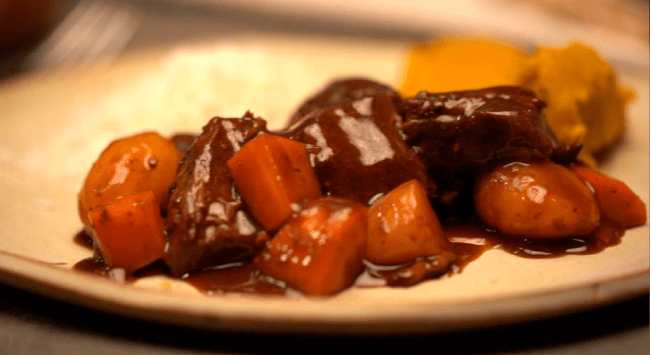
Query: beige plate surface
<point>54,125</point>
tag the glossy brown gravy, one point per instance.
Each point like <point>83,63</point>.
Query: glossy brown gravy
<point>469,241</point>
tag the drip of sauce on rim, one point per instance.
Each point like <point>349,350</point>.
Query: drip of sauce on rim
<point>237,278</point>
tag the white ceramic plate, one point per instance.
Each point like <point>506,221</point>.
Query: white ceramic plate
<point>54,125</point>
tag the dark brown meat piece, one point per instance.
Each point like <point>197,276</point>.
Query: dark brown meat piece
<point>356,150</point>
<point>206,222</point>
<point>344,92</point>
<point>474,128</point>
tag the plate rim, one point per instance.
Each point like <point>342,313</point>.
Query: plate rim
<point>224,313</point>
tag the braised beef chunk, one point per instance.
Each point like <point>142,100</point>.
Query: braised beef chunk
<point>474,128</point>
<point>206,222</point>
<point>356,149</point>
<point>343,92</point>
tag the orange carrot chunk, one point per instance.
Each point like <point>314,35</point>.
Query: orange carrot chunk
<point>617,202</point>
<point>274,176</point>
<point>319,251</point>
<point>129,231</point>
<point>403,226</point>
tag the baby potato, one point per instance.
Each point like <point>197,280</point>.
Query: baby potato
<point>539,200</point>
<point>128,166</point>
<point>402,226</point>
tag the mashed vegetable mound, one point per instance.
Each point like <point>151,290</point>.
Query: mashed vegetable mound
<point>585,101</point>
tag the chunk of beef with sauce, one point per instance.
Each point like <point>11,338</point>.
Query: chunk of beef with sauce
<point>474,128</point>
<point>344,92</point>
<point>207,223</point>
<point>356,149</point>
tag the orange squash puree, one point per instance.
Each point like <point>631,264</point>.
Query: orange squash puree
<point>453,65</point>
<point>585,101</point>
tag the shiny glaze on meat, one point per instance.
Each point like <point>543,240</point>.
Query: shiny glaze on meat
<point>356,150</point>
<point>475,128</point>
<point>344,92</point>
<point>207,223</point>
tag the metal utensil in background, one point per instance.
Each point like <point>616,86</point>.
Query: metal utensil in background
<point>91,29</point>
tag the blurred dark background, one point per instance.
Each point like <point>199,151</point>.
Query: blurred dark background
<point>31,30</point>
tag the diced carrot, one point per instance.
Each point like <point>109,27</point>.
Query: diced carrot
<point>616,200</point>
<point>129,231</point>
<point>402,226</point>
<point>273,173</point>
<point>320,250</point>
